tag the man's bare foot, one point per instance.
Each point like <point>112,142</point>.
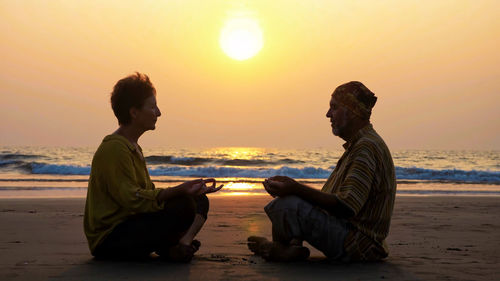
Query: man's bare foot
<point>275,251</point>
<point>254,243</point>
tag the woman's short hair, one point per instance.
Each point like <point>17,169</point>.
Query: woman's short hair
<point>129,92</point>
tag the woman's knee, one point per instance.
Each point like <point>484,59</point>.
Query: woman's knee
<point>183,207</point>
<point>202,205</point>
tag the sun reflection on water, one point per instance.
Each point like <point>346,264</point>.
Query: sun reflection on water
<point>242,188</point>
<point>240,152</point>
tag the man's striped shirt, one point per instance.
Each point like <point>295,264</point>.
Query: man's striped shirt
<point>364,181</point>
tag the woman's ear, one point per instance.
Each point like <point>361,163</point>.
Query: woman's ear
<point>133,113</point>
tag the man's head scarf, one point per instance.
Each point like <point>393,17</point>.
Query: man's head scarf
<point>357,98</point>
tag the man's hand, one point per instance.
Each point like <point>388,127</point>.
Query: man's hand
<point>280,186</point>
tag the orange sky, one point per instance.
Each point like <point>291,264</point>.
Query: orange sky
<point>434,66</point>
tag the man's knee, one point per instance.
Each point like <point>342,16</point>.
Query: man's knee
<point>281,203</point>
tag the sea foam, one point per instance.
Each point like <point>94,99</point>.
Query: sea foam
<point>402,173</point>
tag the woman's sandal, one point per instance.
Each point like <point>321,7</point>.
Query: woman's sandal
<point>180,253</point>
<point>196,245</point>
<point>183,253</point>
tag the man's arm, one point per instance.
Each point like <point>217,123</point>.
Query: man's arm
<point>283,186</point>
<point>353,191</point>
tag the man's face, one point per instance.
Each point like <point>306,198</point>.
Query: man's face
<point>339,117</point>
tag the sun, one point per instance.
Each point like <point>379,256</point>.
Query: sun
<point>241,38</point>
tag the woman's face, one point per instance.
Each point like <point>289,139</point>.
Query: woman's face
<point>146,116</point>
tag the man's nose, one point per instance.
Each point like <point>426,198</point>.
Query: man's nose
<point>328,115</point>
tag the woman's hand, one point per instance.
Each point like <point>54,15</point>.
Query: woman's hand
<point>212,188</point>
<point>198,187</point>
<point>193,188</point>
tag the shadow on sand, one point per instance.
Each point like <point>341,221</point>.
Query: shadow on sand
<point>221,267</point>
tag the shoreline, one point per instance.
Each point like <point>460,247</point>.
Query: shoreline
<point>82,194</point>
<point>431,238</point>
<point>245,189</point>
<point>72,186</point>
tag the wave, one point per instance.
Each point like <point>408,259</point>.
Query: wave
<point>8,163</point>
<point>451,175</point>
<point>421,174</point>
<point>182,171</point>
<point>402,173</point>
<point>196,161</point>
<point>224,172</point>
<point>51,169</point>
<point>18,156</point>
<point>446,192</point>
<point>188,161</point>
<point>46,180</point>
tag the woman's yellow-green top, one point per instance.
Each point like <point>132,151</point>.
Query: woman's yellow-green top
<point>119,186</point>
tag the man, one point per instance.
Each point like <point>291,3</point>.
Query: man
<point>349,218</point>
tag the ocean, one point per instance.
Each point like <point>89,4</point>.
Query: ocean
<point>63,171</point>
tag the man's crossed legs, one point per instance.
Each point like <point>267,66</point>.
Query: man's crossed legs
<point>295,220</point>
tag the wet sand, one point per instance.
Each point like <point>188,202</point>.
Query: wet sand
<point>432,238</point>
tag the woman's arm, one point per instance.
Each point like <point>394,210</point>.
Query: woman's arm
<point>192,188</point>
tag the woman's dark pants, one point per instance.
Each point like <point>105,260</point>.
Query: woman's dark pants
<point>145,233</point>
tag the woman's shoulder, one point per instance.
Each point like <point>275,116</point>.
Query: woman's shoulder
<point>113,145</point>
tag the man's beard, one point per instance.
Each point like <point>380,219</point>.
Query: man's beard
<point>340,130</point>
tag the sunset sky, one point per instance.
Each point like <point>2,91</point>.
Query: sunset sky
<point>434,65</point>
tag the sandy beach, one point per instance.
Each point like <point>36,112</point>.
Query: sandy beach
<point>432,238</point>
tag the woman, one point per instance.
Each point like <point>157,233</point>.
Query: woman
<point>125,215</point>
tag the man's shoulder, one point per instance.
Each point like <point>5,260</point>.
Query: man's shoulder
<point>372,144</point>
<point>366,144</point>
<point>373,140</point>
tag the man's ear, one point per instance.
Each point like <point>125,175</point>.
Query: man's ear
<point>351,115</point>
